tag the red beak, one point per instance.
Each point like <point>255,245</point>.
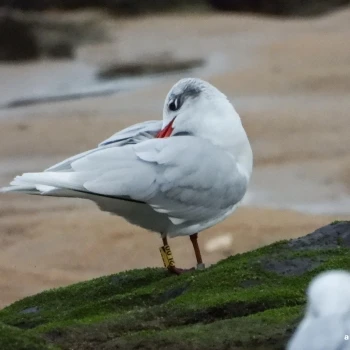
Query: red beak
<point>166,132</point>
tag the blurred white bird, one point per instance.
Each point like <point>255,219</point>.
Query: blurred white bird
<point>177,176</point>
<point>326,325</point>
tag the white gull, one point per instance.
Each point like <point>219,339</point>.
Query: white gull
<point>326,325</point>
<point>177,176</point>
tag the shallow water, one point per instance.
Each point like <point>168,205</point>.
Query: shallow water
<point>36,82</point>
<point>56,80</point>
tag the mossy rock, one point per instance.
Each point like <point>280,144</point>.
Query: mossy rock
<point>248,301</point>
<point>15,338</point>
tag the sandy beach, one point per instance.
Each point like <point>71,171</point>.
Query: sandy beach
<point>289,81</point>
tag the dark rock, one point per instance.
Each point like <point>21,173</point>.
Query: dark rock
<point>31,5</point>
<point>236,5</point>
<point>332,236</point>
<point>30,310</point>
<point>138,7</point>
<point>291,267</point>
<point>122,7</point>
<point>61,49</point>
<point>17,40</point>
<point>327,237</point>
<point>30,36</point>
<point>280,7</point>
<point>153,65</point>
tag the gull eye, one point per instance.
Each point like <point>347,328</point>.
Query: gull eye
<point>174,105</point>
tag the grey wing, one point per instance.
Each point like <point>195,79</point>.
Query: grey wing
<point>185,177</point>
<point>326,333</point>
<point>130,135</point>
<point>135,133</point>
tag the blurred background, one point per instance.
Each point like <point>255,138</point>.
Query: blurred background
<point>74,72</point>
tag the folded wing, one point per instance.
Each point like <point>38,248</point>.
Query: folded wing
<point>130,135</point>
<point>134,134</point>
<point>184,177</point>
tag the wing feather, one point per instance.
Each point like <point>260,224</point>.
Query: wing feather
<point>134,133</point>
<point>185,185</point>
<point>130,135</point>
<point>186,177</point>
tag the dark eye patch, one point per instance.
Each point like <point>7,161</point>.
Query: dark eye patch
<point>174,105</point>
<point>176,101</point>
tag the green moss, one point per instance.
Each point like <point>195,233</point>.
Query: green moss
<point>14,338</point>
<point>240,301</point>
<point>339,222</point>
<point>271,324</point>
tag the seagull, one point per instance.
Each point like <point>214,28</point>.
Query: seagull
<point>177,176</point>
<point>326,325</point>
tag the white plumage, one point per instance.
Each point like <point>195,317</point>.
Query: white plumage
<point>177,185</point>
<point>327,319</point>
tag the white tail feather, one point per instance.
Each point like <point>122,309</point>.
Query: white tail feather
<point>50,180</point>
<point>29,189</point>
<point>60,184</point>
<point>45,190</point>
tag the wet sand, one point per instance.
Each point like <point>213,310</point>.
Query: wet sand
<point>289,82</point>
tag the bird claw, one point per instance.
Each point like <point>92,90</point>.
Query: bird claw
<point>200,266</point>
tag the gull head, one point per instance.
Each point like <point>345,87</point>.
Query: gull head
<point>329,294</point>
<point>195,107</point>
